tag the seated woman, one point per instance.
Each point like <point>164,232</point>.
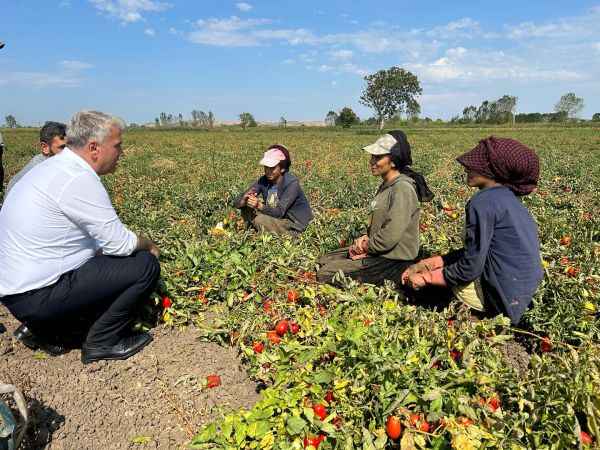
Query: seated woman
<point>275,202</point>
<point>499,268</point>
<point>392,241</point>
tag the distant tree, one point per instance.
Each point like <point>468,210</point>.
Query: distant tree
<point>596,117</point>
<point>180,118</point>
<point>469,114</point>
<point>164,119</point>
<point>569,104</point>
<point>347,117</point>
<point>157,122</point>
<point>11,122</point>
<point>391,91</point>
<point>331,119</point>
<point>505,109</point>
<point>282,122</point>
<point>247,120</point>
<point>210,120</point>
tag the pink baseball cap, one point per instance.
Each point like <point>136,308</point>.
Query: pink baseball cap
<point>272,157</point>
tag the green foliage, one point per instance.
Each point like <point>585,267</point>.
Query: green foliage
<point>347,118</point>
<point>247,120</point>
<point>390,92</point>
<point>569,104</point>
<point>377,353</point>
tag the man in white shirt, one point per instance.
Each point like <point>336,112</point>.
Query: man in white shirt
<point>52,142</point>
<point>65,257</point>
<point>1,164</point>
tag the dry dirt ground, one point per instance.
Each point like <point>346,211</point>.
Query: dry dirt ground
<point>153,400</point>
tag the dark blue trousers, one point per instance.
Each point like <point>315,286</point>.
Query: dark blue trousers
<point>97,301</point>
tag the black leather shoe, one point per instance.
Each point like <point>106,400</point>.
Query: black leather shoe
<point>30,340</point>
<point>125,348</point>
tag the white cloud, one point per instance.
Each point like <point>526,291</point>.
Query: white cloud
<point>597,46</point>
<point>289,61</point>
<point>150,32</point>
<point>462,28</point>
<point>75,66</point>
<point>569,28</point>
<point>64,4</point>
<point>236,32</point>
<point>67,75</point>
<point>342,55</point>
<point>129,11</point>
<point>460,64</point>
<point>243,6</point>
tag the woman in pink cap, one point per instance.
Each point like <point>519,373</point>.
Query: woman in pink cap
<point>276,202</point>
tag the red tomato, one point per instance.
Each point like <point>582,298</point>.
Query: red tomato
<point>282,327</point>
<point>329,397</point>
<point>585,438</point>
<point>293,296</point>
<point>320,411</point>
<point>414,419</point>
<point>294,328</point>
<point>267,306</point>
<point>273,337</point>
<point>213,381</point>
<point>566,241</point>
<point>456,355</point>
<point>465,421</point>
<point>393,427</point>
<point>166,302</point>
<point>546,345</point>
<point>494,403</point>
<point>425,427</point>
<point>258,347</point>
<point>313,441</point>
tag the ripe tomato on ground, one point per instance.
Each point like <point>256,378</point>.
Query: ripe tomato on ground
<point>329,397</point>
<point>282,327</point>
<point>273,337</point>
<point>393,427</point>
<point>320,411</point>
<point>166,302</point>
<point>546,345</point>
<point>294,328</point>
<point>585,438</point>
<point>258,347</point>
<point>293,296</point>
<point>213,381</point>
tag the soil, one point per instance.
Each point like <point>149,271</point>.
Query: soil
<point>515,356</point>
<point>154,399</point>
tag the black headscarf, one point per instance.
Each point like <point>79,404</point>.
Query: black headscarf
<point>401,156</point>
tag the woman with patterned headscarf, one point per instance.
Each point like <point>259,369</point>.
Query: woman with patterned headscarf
<point>391,243</point>
<point>499,268</point>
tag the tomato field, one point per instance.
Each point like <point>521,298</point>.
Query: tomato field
<point>357,366</point>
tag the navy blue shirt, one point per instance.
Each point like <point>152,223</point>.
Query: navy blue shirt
<point>502,248</point>
<point>292,204</point>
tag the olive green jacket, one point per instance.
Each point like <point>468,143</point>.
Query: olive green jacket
<point>394,227</point>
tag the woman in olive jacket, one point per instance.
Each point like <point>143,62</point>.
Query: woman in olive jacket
<point>392,240</point>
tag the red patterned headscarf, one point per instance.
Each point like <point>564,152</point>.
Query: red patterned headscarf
<point>506,161</point>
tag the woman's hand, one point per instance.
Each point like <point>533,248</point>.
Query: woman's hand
<point>252,201</point>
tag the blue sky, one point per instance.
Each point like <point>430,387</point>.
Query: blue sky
<point>136,58</point>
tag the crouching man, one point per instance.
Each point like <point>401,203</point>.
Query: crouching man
<point>68,266</point>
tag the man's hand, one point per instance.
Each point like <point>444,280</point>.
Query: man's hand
<point>146,244</point>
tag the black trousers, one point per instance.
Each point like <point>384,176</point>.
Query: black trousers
<point>96,302</point>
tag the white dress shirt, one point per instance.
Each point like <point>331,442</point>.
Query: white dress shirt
<point>55,219</point>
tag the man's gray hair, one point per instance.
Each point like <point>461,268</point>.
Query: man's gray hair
<point>89,126</point>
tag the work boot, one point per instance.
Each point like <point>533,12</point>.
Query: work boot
<point>30,340</point>
<point>126,347</point>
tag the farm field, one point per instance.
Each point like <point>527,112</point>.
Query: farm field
<point>363,354</point>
